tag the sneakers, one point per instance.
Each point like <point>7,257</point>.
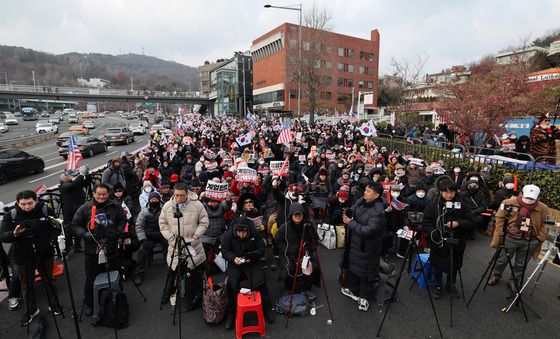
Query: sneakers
<point>400,255</point>
<point>56,310</point>
<point>13,304</point>
<point>28,318</point>
<point>348,293</point>
<point>363,304</point>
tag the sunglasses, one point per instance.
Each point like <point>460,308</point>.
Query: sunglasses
<point>119,191</point>
<point>248,202</point>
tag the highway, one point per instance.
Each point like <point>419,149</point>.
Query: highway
<point>55,164</point>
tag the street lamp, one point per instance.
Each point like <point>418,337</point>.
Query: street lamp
<point>295,8</point>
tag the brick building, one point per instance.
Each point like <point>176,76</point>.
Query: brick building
<point>342,63</point>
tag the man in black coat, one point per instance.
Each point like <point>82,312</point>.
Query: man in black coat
<point>109,226</point>
<point>30,230</point>
<point>243,248</point>
<point>366,230</point>
<point>446,218</point>
<point>133,184</point>
<point>72,196</point>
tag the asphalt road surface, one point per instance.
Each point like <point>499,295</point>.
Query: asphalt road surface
<point>410,317</point>
<point>55,164</point>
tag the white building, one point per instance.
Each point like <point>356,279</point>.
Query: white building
<point>94,82</point>
<point>520,54</point>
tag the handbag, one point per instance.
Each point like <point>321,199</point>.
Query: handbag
<point>327,235</point>
<point>340,236</point>
<point>214,301</point>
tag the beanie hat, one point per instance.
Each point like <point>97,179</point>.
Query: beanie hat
<point>174,178</point>
<point>323,171</point>
<point>398,166</point>
<point>243,224</point>
<point>228,174</point>
<point>154,195</point>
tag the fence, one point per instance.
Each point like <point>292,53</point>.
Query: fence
<point>26,141</point>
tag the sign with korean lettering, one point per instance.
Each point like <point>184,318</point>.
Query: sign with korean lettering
<point>216,190</point>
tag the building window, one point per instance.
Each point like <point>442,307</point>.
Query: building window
<point>317,64</point>
<point>293,93</point>
<point>370,84</point>
<point>361,84</point>
<point>293,43</point>
<point>350,53</point>
<point>328,50</point>
<point>339,82</point>
<point>328,95</point>
<point>371,56</point>
<point>350,82</point>
<point>362,55</point>
<point>370,71</point>
<point>328,80</point>
<point>306,45</point>
<point>340,67</point>
<point>328,64</point>
<point>340,51</point>
<point>351,68</point>
<point>362,70</point>
<point>318,48</point>
<point>270,97</point>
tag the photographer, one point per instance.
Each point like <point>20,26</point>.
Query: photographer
<point>193,221</point>
<point>366,229</point>
<point>243,248</point>
<point>30,230</point>
<point>108,228</point>
<point>72,196</point>
<point>445,222</point>
<point>523,216</point>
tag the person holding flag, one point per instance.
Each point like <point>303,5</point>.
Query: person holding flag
<point>286,135</point>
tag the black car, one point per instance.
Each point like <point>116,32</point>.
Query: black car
<point>63,137</point>
<point>14,162</point>
<point>88,146</point>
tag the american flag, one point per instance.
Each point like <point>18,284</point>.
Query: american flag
<point>285,136</point>
<point>74,155</point>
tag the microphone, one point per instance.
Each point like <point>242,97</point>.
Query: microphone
<point>92,220</point>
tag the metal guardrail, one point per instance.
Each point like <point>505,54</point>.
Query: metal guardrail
<point>26,140</point>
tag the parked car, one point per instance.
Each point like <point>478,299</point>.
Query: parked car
<point>88,146</point>
<point>118,135</point>
<point>3,127</point>
<point>17,113</point>
<point>73,118</point>
<point>102,115</point>
<point>14,162</point>
<point>54,120</point>
<point>88,124</point>
<point>93,115</point>
<point>45,127</point>
<point>11,120</point>
<point>85,115</point>
<point>137,128</point>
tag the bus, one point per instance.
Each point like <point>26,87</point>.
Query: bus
<point>29,114</point>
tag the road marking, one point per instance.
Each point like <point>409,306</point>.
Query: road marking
<point>46,176</point>
<point>55,165</point>
<point>108,154</point>
<point>57,158</point>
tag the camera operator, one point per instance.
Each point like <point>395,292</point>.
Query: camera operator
<point>524,218</point>
<point>72,196</point>
<point>31,232</point>
<point>366,228</point>
<point>243,248</point>
<point>109,227</point>
<point>193,222</point>
<point>445,221</point>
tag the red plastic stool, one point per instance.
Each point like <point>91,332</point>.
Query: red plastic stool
<point>250,302</point>
<point>58,270</point>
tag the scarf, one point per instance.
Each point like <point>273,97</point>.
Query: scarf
<point>525,211</point>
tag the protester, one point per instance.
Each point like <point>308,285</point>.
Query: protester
<point>72,196</point>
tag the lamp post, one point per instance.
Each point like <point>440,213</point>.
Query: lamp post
<point>295,8</point>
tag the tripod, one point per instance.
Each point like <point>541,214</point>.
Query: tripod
<point>493,261</point>
<point>411,250</point>
<point>183,254</point>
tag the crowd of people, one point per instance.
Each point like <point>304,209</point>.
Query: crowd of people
<point>230,189</point>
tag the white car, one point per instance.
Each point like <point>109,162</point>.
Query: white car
<point>46,127</point>
<point>88,124</point>
<point>3,127</point>
<point>101,115</point>
<point>11,120</point>
<point>137,128</point>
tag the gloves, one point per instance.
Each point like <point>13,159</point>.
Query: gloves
<point>261,228</point>
<point>388,209</point>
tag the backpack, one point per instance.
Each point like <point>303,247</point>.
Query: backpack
<point>300,305</point>
<point>113,307</point>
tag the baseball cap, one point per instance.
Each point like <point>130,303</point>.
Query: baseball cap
<point>531,191</point>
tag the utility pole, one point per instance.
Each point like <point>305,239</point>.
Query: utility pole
<point>33,74</point>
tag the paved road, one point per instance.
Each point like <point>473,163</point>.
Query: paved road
<point>410,317</point>
<point>55,164</point>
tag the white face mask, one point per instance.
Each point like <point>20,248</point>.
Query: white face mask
<point>399,173</point>
<point>420,194</point>
<point>528,201</point>
<point>359,171</point>
<point>340,165</point>
<point>456,170</point>
<point>148,189</point>
<point>395,194</point>
<point>379,165</point>
<point>510,186</point>
<point>202,159</point>
<point>474,178</point>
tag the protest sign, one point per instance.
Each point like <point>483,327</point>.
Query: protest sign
<point>216,190</point>
<point>246,174</point>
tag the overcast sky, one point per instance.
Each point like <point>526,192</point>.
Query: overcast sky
<point>448,32</point>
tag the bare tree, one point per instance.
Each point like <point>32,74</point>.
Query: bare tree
<point>316,53</point>
<point>410,72</point>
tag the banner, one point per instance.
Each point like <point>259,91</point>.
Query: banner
<point>257,220</point>
<point>246,174</point>
<point>41,189</point>
<point>210,165</point>
<point>276,168</point>
<point>216,190</point>
<point>227,160</point>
